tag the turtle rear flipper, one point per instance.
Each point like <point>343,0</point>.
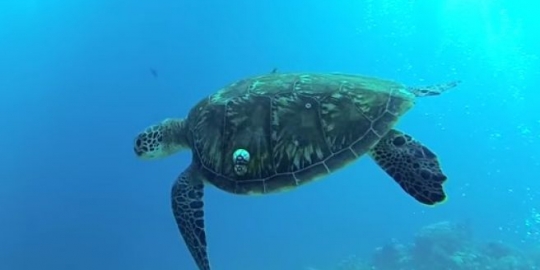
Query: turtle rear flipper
<point>433,90</point>
<point>413,166</point>
<point>187,205</point>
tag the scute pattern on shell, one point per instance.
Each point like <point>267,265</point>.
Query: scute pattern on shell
<point>296,127</point>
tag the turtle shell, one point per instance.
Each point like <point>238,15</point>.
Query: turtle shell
<point>295,127</point>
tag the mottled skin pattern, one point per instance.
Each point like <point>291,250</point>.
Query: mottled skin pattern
<point>397,153</point>
<point>161,140</point>
<point>296,127</point>
<point>187,204</point>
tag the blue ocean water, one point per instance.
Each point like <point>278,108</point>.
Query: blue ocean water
<point>76,86</point>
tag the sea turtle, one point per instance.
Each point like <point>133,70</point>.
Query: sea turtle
<point>278,131</point>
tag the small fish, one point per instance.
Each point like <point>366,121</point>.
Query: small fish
<point>274,71</point>
<point>154,72</point>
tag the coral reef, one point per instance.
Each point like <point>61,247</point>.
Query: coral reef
<point>446,246</point>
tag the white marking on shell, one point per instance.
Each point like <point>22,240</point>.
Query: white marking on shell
<point>241,156</point>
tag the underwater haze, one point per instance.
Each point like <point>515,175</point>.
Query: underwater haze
<point>80,79</point>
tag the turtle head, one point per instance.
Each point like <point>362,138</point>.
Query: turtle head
<point>161,140</point>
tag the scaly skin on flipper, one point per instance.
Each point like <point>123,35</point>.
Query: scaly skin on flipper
<point>188,208</point>
<point>413,166</point>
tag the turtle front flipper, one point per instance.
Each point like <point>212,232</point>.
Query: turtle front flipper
<point>413,166</point>
<point>433,90</point>
<point>187,204</point>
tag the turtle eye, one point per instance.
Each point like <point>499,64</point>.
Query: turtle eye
<point>399,141</point>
